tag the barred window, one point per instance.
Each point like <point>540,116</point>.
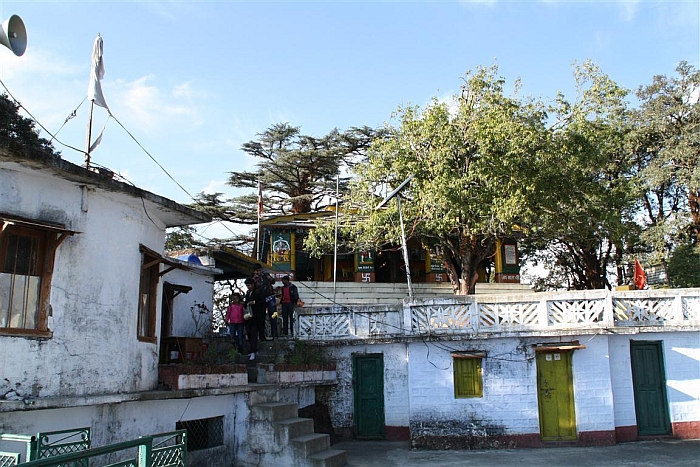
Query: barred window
<point>203,433</point>
<point>27,251</point>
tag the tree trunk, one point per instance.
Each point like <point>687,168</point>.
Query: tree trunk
<point>462,263</point>
<point>694,205</point>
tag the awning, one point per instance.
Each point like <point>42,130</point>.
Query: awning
<point>176,288</point>
<point>63,233</point>
<point>234,264</point>
<point>171,264</point>
<point>8,219</point>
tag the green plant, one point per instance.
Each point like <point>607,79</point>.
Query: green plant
<point>220,351</point>
<point>305,353</point>
<point>202,319</point>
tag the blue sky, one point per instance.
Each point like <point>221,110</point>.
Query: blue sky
<point>193,81</point>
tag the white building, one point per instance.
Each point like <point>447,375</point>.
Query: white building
<point>594,367</point>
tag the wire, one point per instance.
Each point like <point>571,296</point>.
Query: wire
<point>152,158</point>
<point>53,137</point>
<point>70,116</point>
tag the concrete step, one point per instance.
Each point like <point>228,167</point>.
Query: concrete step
<point>292,428</point>
<point>321,294</point>
<point>309,444</point>
<point>329,458</point>
<point>275,411</point>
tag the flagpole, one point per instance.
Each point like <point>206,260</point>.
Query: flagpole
<point>260,205</point>
<point>95,94</point>
<point>335,243</point>
<point>89,136</point>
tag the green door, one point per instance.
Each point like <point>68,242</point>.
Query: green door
<point>368,381</point>
<point>555,396</point>
<point>649,382</point>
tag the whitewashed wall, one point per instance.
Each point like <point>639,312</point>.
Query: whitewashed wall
<point>603,392</point>
<point>113,423</point>
<point>509,403</point>
<point>201,279</point>
<point>682,365</point>
<point>396,404</point>
<point>123,421</point>
<point>94,292</point>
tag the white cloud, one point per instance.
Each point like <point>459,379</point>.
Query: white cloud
<point>216,186</point>
<point>150,108</point>
<point>629,9</point>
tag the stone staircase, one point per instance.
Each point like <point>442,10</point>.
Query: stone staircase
<point>278,436</point>
<point>324,294</point>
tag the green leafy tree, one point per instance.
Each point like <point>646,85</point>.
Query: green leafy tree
<point>181,238</point>
<point>586,214</point>
<point>666,147</point>
<point>297,171</point>
<point>475,169</point>
<point>683,270</point>
<point>19,133</point>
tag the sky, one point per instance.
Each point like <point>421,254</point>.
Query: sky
<point>191,82</point>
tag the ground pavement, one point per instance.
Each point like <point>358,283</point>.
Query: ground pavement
<point>656,453</point>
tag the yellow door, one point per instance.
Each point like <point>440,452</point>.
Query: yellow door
<point>555,395</point>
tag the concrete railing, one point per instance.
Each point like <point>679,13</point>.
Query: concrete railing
<point>504,314</point>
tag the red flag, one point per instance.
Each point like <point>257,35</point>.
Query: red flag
<point>260,199</point>
<point>640,278</point>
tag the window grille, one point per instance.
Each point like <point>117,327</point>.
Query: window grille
<point>27,252</point>
<point>203,433</point>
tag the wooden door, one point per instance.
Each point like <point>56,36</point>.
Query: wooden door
<point>368,381</point>
<point>555,396</point>
<point>649,383</point>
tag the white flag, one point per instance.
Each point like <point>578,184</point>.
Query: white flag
<point>97,71</point>
<point>98,140</point>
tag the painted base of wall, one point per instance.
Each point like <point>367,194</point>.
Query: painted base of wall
<point>686,430</point>
<point>398,433</point>
<point>475,442</point>
<point>680,430</point>
<point>392,433</point>
<point>591,438</point>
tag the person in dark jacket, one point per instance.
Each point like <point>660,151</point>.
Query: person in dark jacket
<point>264,282</point>
<point>290,297</point>
<point>256,300</point>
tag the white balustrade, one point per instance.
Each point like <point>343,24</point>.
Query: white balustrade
<point>556,311</point>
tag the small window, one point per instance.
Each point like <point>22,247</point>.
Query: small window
<point>27,251</point>
<point>467,375</point>
<point>148,294</point>
<point>203,433</point>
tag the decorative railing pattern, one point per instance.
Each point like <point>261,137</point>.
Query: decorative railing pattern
<point>691,308</point>
<point>27,443</point>
<point>169,451</point>
<point>56,443</point>
<point>72,448</point>
<point>592,309</point>
<point>8,459</point>
<point>46,444</point>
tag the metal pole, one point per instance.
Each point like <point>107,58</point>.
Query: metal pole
<point>405,252</point>
<point>335,244</point>
<point>259,223</point>
<point>89,136</point>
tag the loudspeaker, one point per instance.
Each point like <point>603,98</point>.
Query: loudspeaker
<point>13,35</point>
